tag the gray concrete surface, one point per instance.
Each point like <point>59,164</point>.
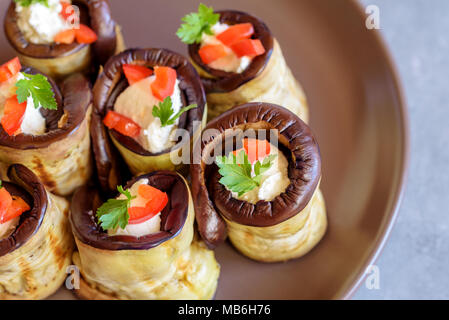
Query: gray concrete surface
<point>414,263</point>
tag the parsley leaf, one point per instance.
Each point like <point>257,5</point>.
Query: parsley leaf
<point>26,3</point>
<point>38,87</point>
<point>196,23</point>
<point>165,112</point>
<point>114,212</point>
<point>236,171</point>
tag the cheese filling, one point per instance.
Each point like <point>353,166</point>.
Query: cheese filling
<point>33,122</point>
<point>230,62</point>
<point>40,24</point>
<point>150,226</point>
<point>274,181</point>
<point>136,102</point>
<point>7,228</point>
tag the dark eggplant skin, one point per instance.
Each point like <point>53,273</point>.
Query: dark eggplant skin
<point>24,183</point>
<point>87,199</point>
<point>212,200</point>
<point>95,13</point>
<point>223,81</point>
<point>112,82</point>
<point>73,99</point>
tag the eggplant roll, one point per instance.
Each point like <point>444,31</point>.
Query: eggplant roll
<point>288,225</point>
<point>60,60</point>
<point>167,264</point>
<point>112,86</point>
<point>60,157</point>
<point>266,79</point>
<point>34,258</point>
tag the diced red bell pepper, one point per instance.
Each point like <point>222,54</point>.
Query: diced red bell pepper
<point>85,35</point>
<point>139,215</point>
<point>248,47</point>
<point>5,203</point>
<point>13,115</point>
<point>17,207</point>
<point>157,204</point>
<point>135,73</point>
<point>122,124</point>
<point>10,69</point>
<point>256,149</point>
<point>211,52</point>
<point>148,192</point>
<point>157,199</point>
<point>65,37</point>
<point>236,33</point>
<point>164,84</point>
<point>67,10</point>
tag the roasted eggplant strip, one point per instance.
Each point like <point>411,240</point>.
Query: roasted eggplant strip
<point>284,228</point>
<point>62,60</point>
<point>170,264</point>
<point>108,87</point>
<point>61,156</point>
<point>33,260</point>
<point>266,79</point>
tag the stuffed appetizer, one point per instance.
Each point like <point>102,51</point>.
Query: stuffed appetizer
<point>239,61</point>
<point>264,192</point>
<point>141,100</point>
<point>60,37</point>
<point>45,128</point>
<point>35,241</point>
<point>141,244</point>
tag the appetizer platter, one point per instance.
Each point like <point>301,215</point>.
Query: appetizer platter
<point>207,149</point>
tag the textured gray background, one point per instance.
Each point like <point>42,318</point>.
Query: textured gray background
<point>414,263</point>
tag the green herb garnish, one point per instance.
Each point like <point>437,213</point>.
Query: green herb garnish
<point>38,87</point>
<point>236,171</point>
<point>27,3</point>
<point>165,112</point>
<point>114,212</point>
<point>195,24</point>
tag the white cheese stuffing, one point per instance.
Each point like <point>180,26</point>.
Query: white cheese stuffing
<point>150,226</point>
<point>33,122</point>
<point>7,228</point>
<point>136,102</point>
<point>274,181</point>
<point>40,24</point>
<point>230,62</point>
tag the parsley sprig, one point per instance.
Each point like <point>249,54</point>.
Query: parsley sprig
<point>236,171</point>
<point>165,112</point>
<point>26,3</point>
<point>197,23</point>
<point>38,87</point>
<point>114,212</point>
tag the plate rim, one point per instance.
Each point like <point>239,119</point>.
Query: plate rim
<point>392,213</point>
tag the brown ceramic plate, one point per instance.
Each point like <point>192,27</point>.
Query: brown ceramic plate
<point>358,116</point>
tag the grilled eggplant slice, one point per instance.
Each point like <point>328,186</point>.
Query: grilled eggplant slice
<point>60,157</point>
<point>288,226</point>
<point>170,264</point>
<point>266,79</point>
<point>61,60</point>
<point>106,90</point>
<point>34,258</point>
